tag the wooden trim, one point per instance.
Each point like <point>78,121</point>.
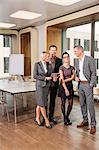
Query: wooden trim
<point>76,15</point>
<point>92,37</point>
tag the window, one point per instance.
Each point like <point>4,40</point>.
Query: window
<point>97,63</point>
<point>67,43</point>
<point>96,42</point>
<point>6,64</point>
<point>96,49</point>
<point>75,60</point>
<point>76,42</point>
<point>5,51</point>
<point>96,45</point>
<point>97,79</point>
<point>6,41</point>
<point>80,35</point>
<point>86,45</point>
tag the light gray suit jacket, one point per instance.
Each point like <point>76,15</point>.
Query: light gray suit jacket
<point>39,74</point>
<point>89,69</point>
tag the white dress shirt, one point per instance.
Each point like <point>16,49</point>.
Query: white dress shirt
<point>44,66</point>
<point>81,74</point>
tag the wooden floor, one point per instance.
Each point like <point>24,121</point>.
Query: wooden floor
<point>26,135</point>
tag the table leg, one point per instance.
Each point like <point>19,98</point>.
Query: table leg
<point>15,109</point>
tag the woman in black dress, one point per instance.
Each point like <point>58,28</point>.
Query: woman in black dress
<point>67,74</point>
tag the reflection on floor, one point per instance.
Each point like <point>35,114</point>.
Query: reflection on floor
<point>26,135</point>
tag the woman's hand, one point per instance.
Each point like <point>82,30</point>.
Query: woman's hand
<point>48,78</point>
<point>67,92</point>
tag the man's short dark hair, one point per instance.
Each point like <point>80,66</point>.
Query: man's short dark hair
<point>52,46</point>
<point>64,54</point>
<point>78,46</point>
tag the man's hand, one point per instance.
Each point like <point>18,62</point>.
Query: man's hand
<point>77,79</point>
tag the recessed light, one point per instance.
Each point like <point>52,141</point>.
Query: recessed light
<point>6,25</point>
<point>21,14</point>
<point>63,2</point>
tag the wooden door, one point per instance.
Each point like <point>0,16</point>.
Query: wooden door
<point>54,38</point>
<point>26,50</point>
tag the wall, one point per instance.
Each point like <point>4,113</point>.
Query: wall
<point>42,41</point>
<point>73,16</point>
<point>16,47</point>
<point>15,41</point>
<point>33,46</point>
<point>5,51</point>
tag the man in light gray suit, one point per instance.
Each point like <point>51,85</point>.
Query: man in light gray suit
<point>86,77</point>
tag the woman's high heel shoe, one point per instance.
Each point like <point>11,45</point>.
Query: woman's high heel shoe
<point>49,126</point>
<point>39,124</point>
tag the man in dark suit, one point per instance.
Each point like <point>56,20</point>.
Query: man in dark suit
<point>86,77</point>
<point>56,63</point>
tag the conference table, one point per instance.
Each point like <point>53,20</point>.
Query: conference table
<point>16,87</point>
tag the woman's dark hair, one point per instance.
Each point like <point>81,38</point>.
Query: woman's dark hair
<point>64,54</point>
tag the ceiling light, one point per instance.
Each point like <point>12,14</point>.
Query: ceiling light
<point>63,2</point>
<point>21,14</point>
<point>6,25</point>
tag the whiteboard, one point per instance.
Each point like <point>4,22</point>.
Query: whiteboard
<point>16,64</point>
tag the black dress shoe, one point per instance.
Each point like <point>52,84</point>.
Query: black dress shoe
<point>67,123</point>
<point>68,120</point>
<point>53,120</point>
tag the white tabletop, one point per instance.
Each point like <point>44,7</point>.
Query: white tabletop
<point>15,87</point>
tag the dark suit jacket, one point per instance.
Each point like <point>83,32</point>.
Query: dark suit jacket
<point>89,69</point>
<point>58,63</point>
<point>39,74</point>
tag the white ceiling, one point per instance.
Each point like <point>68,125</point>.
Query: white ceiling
<point>48,10</point>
